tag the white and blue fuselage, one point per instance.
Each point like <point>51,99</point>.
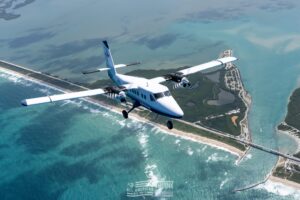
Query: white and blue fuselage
<point>153,96</point>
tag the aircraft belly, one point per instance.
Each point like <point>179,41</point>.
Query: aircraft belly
<point>141,102</point>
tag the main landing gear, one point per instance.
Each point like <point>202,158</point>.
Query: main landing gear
<point>135,105</point>
<point>169,124</point>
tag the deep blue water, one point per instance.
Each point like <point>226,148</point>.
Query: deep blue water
<point>75,150</point>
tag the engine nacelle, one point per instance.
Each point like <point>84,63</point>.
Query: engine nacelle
<point>121,97</point>
<point>185,82</point>
<point>179,80</point>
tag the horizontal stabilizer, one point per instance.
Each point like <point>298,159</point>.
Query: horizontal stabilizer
<point>106,69</point>
<point>91,72</point>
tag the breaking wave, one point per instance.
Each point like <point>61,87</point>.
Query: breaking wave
<point>190,151</point>
<point>223,183</point>
<point>15,79</point>
<point>215,158</point>
<point>280,189</point>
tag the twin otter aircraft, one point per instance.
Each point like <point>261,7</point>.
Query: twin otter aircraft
<point>149,93</point>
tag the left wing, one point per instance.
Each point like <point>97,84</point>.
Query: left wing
<point>74,95</point>
<point>196,68</point>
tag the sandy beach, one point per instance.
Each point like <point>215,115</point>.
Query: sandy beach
<point>135,116</point>
<point>285,182</point>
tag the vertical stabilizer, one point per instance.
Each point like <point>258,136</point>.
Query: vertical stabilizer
<point>109,61</point>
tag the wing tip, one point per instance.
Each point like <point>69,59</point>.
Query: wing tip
<point>24,102</point>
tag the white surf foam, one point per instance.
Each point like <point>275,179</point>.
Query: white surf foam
<point>215,158</point>
<point>177,142</point>
<point>149,171</point>
<point>15,79</point>
<point>223,182</point>
<point>248,156</point>
<point>280,189</point>
<point>190,151</point>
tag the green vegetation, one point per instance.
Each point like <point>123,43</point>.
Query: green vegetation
<point>293,115</point>
<point>292,118</point>
<point>292,175</point>
<point>280,172</point>
<point>283,127</point>
<point>292,121</point>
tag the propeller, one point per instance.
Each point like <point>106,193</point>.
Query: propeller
<point>115,92</point>
<point>179,80</point>
<point>134,63</point>
<point>90,72</point>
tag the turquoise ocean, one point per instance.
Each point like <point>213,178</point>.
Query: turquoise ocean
<point>76,150</point>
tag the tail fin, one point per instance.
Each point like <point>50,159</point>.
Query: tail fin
<point>109,61</point>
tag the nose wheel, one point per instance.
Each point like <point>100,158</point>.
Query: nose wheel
<point>170,124</point>
<point>126,113</point>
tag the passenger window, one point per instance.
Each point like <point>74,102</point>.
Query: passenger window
<point>151,97</point>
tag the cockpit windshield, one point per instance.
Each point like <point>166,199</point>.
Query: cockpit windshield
<point>162,94</point>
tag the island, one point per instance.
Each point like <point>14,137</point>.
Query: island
<point>286,170</point>
<point>215,106</point>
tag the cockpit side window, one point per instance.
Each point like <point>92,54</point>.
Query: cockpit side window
<point>162,94</point>
<point>167,93</point>
<point>159,95</point>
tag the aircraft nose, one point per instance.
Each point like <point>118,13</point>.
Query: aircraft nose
<point>177,111</point>
<point>171,107</point>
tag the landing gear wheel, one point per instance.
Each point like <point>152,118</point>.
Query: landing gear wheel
<point>125,114</point>
<point>169,124</point>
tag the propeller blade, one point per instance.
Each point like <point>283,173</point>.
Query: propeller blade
<point>90,72</point>
<point>135,63</point>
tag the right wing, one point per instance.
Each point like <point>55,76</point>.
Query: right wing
<point>74,95</point>
<point>202,67</point>
<point>197,68</point>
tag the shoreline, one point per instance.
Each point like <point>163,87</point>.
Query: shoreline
<point>284,182</point>
<point>280,162</point>
<point>289,131</point>
<point>175,132</point>
<point>291,135</point>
